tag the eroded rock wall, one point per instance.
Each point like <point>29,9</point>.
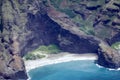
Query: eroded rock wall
<point>12,27</point>
<point>27,24</point>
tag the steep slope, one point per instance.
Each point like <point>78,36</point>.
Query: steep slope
<point>73,25</point>
<point>12,65</point>
<point>106,55</point>
<point>95,17</point>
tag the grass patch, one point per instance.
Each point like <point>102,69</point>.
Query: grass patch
<point>88,30</point>
<point>74,1</point>
<point>69,12</point>
<point>41,51</point>
<point>50,49</point>
<point>116,46</point>
<point>32,56</point>
<point>56,3</point>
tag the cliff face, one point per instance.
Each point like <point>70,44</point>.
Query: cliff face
<point>103,33</point>
<point>12,25</point>
<point>73,25</point>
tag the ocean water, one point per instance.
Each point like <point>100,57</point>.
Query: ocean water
<point>74,70</point>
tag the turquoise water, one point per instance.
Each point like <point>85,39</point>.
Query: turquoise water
<point>74,70</point>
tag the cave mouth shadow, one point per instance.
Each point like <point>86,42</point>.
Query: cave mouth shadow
<point>46,32</point>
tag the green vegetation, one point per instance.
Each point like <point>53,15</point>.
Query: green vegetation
<point>69,12</point>
<point>74,1</point>
<point>116,46</point>
<point>103,32</point>
<point>41,51</point>
<point>56,3</point>
<point>66,10</point>
<point>50,49</point>
<point>32,56</point>
<point>95,3</point>
<point>88,30</point>
<point>86,23</point>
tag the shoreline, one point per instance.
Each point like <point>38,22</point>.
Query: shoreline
<point>110,69</point>
<point>58,58</point>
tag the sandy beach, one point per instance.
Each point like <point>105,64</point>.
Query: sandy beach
<point>58,58</point>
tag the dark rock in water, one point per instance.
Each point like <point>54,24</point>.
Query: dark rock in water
<point>27,24</point>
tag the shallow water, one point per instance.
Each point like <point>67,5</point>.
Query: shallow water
<point>74,70</point>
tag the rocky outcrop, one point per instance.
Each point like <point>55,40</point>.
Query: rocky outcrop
<point>85,28</point>
<point>108,57</point>
<point>12,22</point>
<point>94,17</point>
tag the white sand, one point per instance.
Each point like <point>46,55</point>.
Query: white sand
<point>58,58</point>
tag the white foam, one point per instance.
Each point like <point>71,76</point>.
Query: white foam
<point>32,64</point>
<point>99,66</point>
<point>118,69</point>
